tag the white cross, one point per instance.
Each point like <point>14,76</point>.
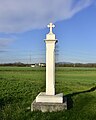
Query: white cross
<point>51,26</point>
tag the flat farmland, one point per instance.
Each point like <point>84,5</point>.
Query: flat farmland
<point>19,86</point>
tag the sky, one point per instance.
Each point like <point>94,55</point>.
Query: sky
<point>23,28</point>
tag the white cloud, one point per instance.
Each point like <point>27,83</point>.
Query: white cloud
<point>23,15</point>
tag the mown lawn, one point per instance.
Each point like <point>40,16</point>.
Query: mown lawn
<point>20,85</point>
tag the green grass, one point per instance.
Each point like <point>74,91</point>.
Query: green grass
<point>19,86</point>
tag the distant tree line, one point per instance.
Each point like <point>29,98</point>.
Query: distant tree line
<point>19,64</point>
<point>76,64</point>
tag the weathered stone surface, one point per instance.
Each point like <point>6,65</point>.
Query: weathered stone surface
<point>49,107</point>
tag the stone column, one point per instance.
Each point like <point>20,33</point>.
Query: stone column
<point>49,101</point>
<point>50,61</point>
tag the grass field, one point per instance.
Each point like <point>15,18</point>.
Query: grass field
<point>20,85</point>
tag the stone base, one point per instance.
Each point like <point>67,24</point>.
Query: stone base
<point>49,106</point>
<point>42,97</point>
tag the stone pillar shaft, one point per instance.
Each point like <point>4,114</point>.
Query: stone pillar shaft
<point>50,67</point>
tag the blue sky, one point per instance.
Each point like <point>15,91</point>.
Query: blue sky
<point>23,28</point>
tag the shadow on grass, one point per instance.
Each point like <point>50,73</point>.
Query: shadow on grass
<point>3,102</point>
<point>69,96</point>
<point>9,100</point>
